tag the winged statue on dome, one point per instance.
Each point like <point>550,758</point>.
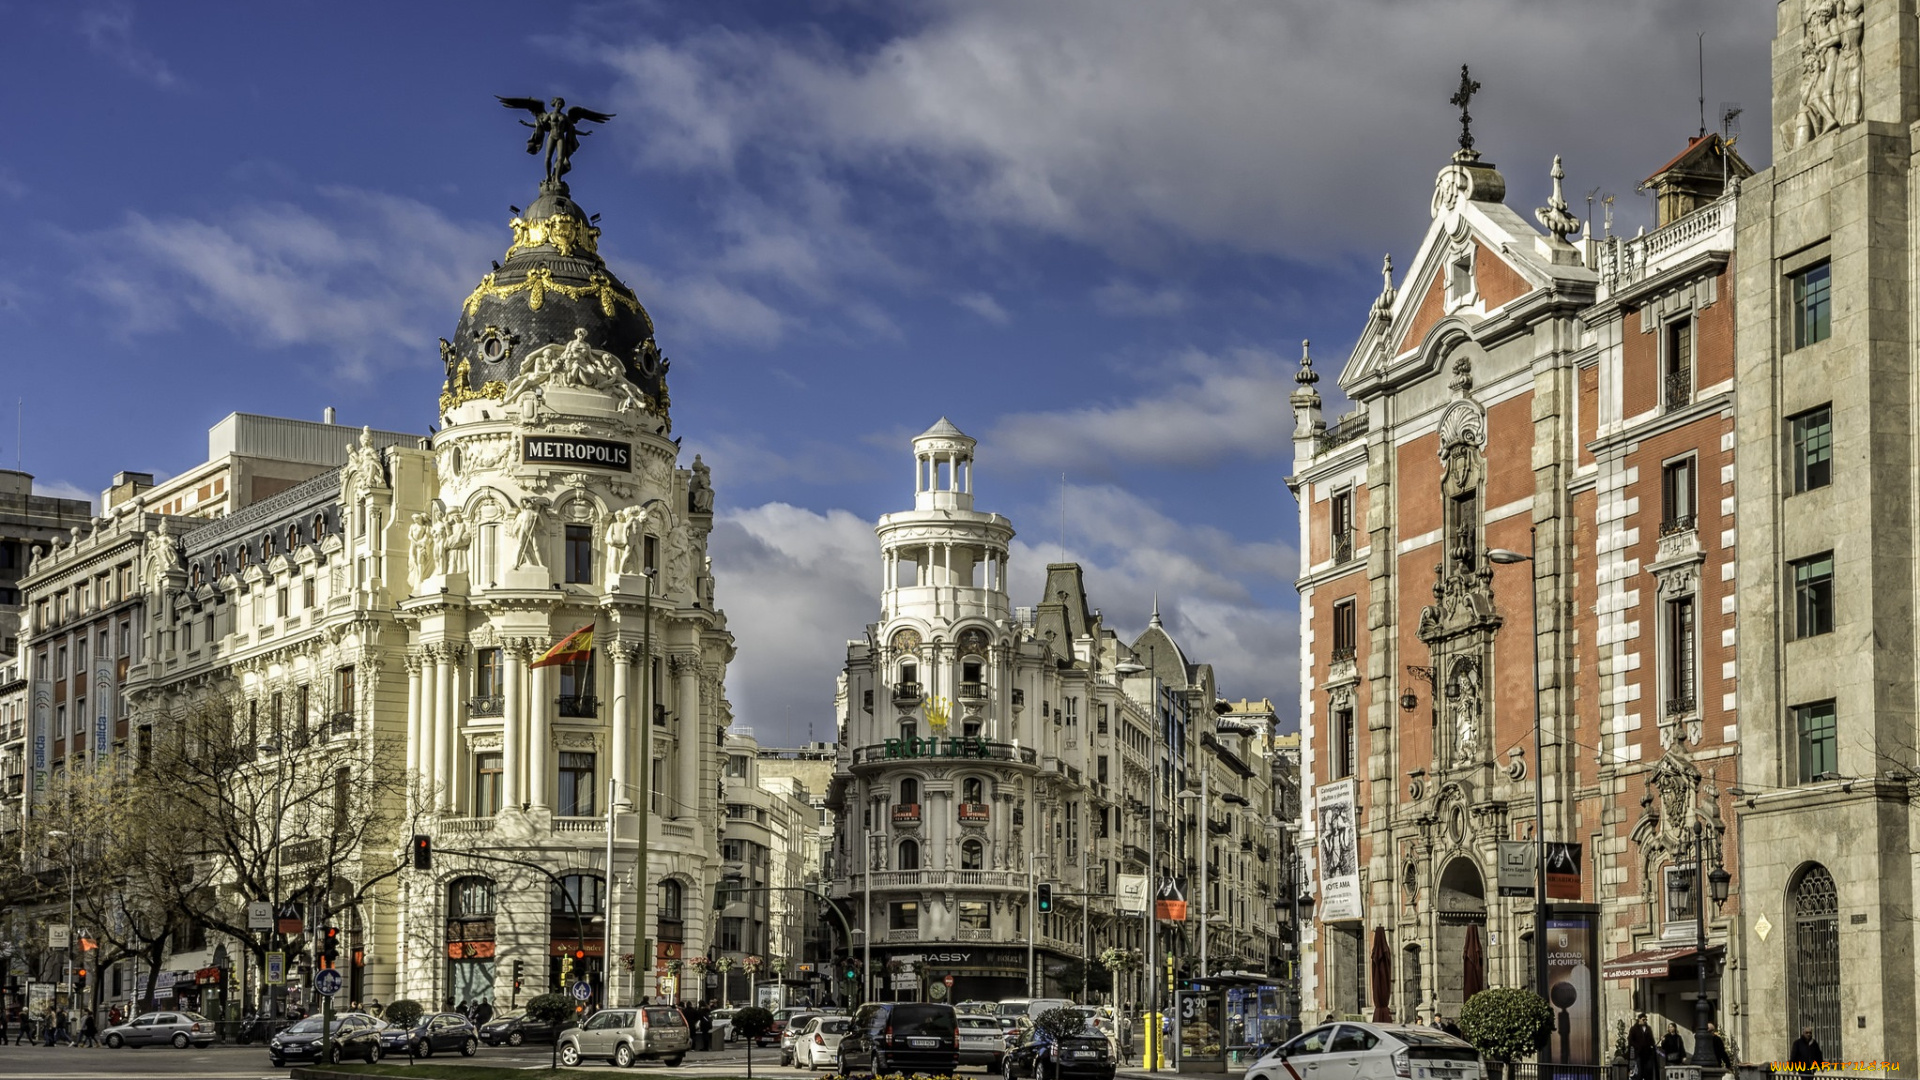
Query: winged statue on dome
<point>556,126</point>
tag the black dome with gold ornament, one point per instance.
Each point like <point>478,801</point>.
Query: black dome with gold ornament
<point>551,282</point>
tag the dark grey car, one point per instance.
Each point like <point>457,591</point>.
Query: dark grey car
<point>181,1029</point>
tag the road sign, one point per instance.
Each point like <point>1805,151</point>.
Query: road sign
<point>276,968</point>
<point>327,982</point>
<point>581,991</point>
<point>259,915</point>
<point>948,980</point>
<point>57,936</point>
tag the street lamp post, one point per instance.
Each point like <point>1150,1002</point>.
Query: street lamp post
<point>643,803</point>
<point>1502,555</point>
<point>1152,965</point>
<point>67,850</point>
<point>1700,887</point>
<point>275,998</point>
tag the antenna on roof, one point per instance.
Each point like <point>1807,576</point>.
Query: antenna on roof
<point>1701,44</point>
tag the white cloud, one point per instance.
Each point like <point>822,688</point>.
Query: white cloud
<point>984,306</point>
<point>1276,127</point>
<point>796,585</point>
<point>1198,409</point>
<point>62,489</point>
<point>109,33</point>
<point>1126,298</point>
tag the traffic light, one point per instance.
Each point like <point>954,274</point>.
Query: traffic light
<point>329,946</point>
<point>1043,895</point>
<point>852,969</point>
<point>80,981</point>
<point>519,969</point>
<point>422,851</point>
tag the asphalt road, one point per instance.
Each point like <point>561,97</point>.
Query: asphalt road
<point>250,1063</point>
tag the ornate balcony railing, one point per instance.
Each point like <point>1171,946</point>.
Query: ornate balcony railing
<point>973,690</point>
<point>1680,706</point>
<point>1677,524</point>
<point>915,879</point>
<point>342,723</point>
<point>1678,389</point>
<point>1342,546</point>
<point>906,693</point>
<point>487,706</point>
<point>950,747</point>
<point>579,705</point>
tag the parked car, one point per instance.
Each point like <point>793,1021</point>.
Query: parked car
<point>355,1036</point>
<point>514,1028</point>
<point>790,1028</point>
<point>1031,1006</point>
<point>781,1018</point>
<point>1085,1056</point>
<point>434,1033</point>
<point>1372,1052</point>
<point>981,1041</point>
<point>624,1036</point>
<point>723,1025</point>
<point>901,1036</point>
<point>181,1029</point>
<point>818,1045</point>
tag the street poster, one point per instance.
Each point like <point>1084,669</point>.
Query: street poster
<point>1339,850</point>
<point>1171,904</point>
<point>102,702</point>
<point>1131,892</point>
<point>1563,871</point>
<point>259,915</point>
<point>1572,990</point>
<point>1516,867</point>
<point>57,935</point>
<point>276,968</point>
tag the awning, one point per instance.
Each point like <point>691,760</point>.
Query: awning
<point>1645,964</point>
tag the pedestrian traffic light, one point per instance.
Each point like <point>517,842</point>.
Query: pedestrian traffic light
<point>329,946</point>
<point>422,851</point>
<point>1043,898</point>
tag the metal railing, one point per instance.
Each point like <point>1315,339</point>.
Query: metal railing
<point>995,751</point>
<point>487,706</point>
<point>1680,706</point>
<point>578,705</point>
<point>1677,524</point>
<point>342,723</point>
<point>1344,652</point>
<point>972,691</point>
<point>1678,389</point>
<point>1342,546</point>
<point>906,691</point>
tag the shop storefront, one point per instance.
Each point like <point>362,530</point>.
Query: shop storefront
<point>919,972</point>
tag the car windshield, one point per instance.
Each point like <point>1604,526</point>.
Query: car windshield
<point>1424,1037</point>
<point>308,1026</point>
<point>833,1027</point>
<point>980,1023</point>
<point>505,1017</point>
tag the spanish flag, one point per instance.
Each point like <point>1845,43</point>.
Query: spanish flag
<point>576,647</point>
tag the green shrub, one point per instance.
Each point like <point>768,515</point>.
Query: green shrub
<point>1060,1023</point>
<point>405,1012</point>
<point>752,1022</point>
<point>550,1008</point>
<point>1504,1023</point>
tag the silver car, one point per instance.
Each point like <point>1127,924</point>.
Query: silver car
<point>818,1044</point>
<point>624,1036</point>
<point>181,1029</point>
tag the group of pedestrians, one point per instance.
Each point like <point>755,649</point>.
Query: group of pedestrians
<point>56,1027</point>
<point>479,1012</point>
<point>1649,1058</point>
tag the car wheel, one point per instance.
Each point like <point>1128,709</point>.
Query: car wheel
<point>180,1040</point>
<point>426,1047</point>
<point>674,1061</point>
<point>569,1055</point>
<point>115,1042</point>
<point>278,1063</point>
<point>623,1056</point>
<point>516,1039</point>
<point>470,1047</point>
<point>373,1053</point>
<point>334,1055</point>
<point>1010,1069</point>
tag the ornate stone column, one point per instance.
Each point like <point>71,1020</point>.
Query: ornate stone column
<point>513,723</point>
<point>446,729</point>
<point>429,721</point>
<point>621,717</point>
<point>686,671</point>
<point>539,739</point>
<point>413,712</point>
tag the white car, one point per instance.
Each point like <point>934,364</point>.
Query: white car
<point>1352,1051</point>
<point>817,1045</point>
<point>722,1026</point>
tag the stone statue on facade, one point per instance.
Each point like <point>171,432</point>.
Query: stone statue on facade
<point>162,556</point>
<point>700,488</point>
<point>453,540</point>
<point>1467,710</point>
<point>680,557</point>
<point>1832,33</point>
<point>364,467</point>
<point>419,550</point>
<point>572,364</point>
<point>525,533</point>
<point>619,549</point>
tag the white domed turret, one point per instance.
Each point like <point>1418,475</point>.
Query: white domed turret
<point>943,468</point>
<point>943,559</point>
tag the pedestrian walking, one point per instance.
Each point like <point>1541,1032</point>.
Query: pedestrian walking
<point>7,1018</point>
<point>1642,1049</point>
<point>1806,1049</point>
<point>1718,1047</point>
<point>482,1013</point>
<point>90,1030</point>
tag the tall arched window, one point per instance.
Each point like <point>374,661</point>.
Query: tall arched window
<point>972,855</point>
<point>909,791</point>
<point>1814,982</point>
<point>670,895</point>
<point>909,730</point>
<point>909,856</point>
<point>973,790</point>
<point>470,938</point>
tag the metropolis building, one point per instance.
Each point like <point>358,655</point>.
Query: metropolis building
<point>393,600</point>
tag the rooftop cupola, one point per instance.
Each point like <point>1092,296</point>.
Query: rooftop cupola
<point>943,468</point>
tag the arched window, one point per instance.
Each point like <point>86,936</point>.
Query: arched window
<point>319,527</point>
<point>973,855</point>
<point>973,790</point>
<point>909,791</point>
<point>266,547</point>
<point>909,856</point>
<point>670,899</point>
<point>219,566</point>
<point>582,889</point>
<point>293,538</point>
<point>196,577</point>
<point>241,559</point>
<point>470,897</point>
<point>1814,980</point>
<point>909,729</point>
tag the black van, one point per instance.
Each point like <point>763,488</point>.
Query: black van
<point>901,1036</point>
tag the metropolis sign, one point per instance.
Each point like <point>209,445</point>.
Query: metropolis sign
<point>590,453</point>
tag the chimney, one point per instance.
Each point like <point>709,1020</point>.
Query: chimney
<point>326,417</point>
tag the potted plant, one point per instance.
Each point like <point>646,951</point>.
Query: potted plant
<point>1505,1023</point>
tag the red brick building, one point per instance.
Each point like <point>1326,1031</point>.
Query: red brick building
<point>1565,400</point>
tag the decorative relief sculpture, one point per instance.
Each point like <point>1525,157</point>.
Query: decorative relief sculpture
<point>700,488</point>
<point>1831,91</point>
<point>574,364</point>
<point>1467,708</point>
<point>680,557</point>
<point>525,532</point>
<point>364,467</point>
<point>419,550</point>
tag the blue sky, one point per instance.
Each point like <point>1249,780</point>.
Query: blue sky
<point>1091,232</point>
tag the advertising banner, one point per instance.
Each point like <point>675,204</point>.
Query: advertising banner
<point>1131,892</point>
<point>1572,989</point>
<point>42,732</point>
<point>1170,905</point>
<point>102,706</point>
<point>1516,867</point>
<point>1339,850</point>
<point>1563,871</point>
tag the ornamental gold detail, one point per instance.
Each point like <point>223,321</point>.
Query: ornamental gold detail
<point>566,233</point>
<point>456,392</point>
<point>539,282</point>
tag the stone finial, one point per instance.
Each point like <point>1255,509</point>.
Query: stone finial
<point>1556,216</point>
<point>1306,376</point>
<point>1383,305</point>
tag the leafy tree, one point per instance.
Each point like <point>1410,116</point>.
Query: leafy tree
<point>752,1022</point>
<point>547,1008</point>
<point>1505,1023</point>
<point>1060,1023</point>
<point>406,1012</point>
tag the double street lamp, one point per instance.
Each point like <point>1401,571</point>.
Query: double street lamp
<point>1680,889</point>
